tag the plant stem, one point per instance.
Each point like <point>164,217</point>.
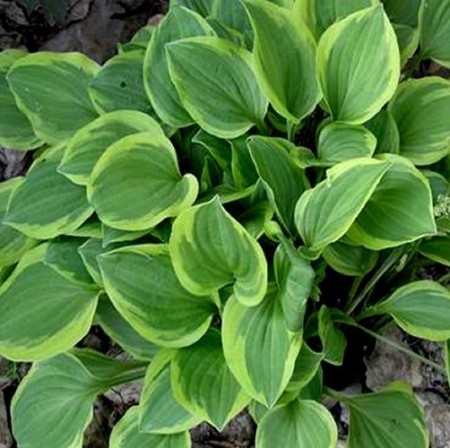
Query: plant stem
<point>401,348</point>
<point>292,129</point>
<point>445,278</point>
<point>354,289</point>
<point>387,264</point>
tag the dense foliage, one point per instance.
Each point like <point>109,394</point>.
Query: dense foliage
<point>234,198</point>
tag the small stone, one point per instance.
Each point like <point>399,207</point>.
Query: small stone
<point>387,364</point>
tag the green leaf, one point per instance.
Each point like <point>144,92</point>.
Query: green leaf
<point>391,418</point>
<point>159,412</point>
<point>157,190</point>
<point>359,51</point>
<point>16,131</point>
<point>420,308</point>
<point>333,340</point>
<point>436,249</point>
<point>13,244</point>
<point>43,313</point>
<point>421,109</point>
<point>325,213</point>
<point>283,180</point>
<point>306,367</point>
<point>408,41</point>
<point>399,211</point>
<point>90,142</point>
<point>61,389</point>
<point>139,41</point>
<point>121,332</point>
<point>292,89</point>
<point>242,167</point>
<point>233,14</point>
<point>179,23</point>
<point>210,249</point>
<point>119,85</point>
<point>47,204</point>
<point>384,127</point>
<point>439,185</point>
<point>51,89</point>
<point>89,251</point>
<point>348,259</point>
<point>300,424</point>
<point>434,28</point>
<point>126,434</point>
<point>62,255</point>
<point>202,7</point>
<point>295,278</point>
<point>339,142</point>
<point>203,383</point>
<point>258,347</point>
<point>242,103</point>
<point>319,15</point>
<point>405,12</point>
<point>144,289</point>
<point>111,235</point>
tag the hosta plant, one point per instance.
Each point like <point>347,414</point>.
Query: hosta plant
<point>236,198</point>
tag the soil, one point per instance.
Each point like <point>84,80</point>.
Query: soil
<point>94,27</point>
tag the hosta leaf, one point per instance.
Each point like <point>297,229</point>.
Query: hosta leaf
<point>421,109</point>
<point>159,412</point>
<point>139,41</point>
<point>121,332</point>
<point>233,14</point>
<point>13,244</point>
<point>405,12</point>
<point>157,190</point>
<point>90,142</point>
<point>325,213</point>
<point>57,116</point>
<point>436,249</point>
<point>89,251</point>
<point>210,249</point>
<point>61,388</point>
<point>332,338</point>
<point>43,313</point>
<point>391,418</point>
<point>111,235</point>
<point>203,383</point>
<point>179,23</point>
<point>420,308</point>
<point>258,347</point>
<point>408,41</point>
<point>119,84</point>
<point>306,367</point>
<point>295,277</point>
<point>242,103</point>
<point>126,434</point>
<point>300,424</point>
<point>202,7</point>
<point>319,15</point>
<point>63,256</point>
<point>284,181</point>
<point>434,28</point>
<point>292,89</point>
<point>143,287</point>
<point>242,167</point>
<point>439,185</point>
<point>350,260</point>
<point>16,131</point>
<point>399,211</point>
<point>47,204</point>
<point>385,129</point>
<point>339,142</point>
<point>358,51</point>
